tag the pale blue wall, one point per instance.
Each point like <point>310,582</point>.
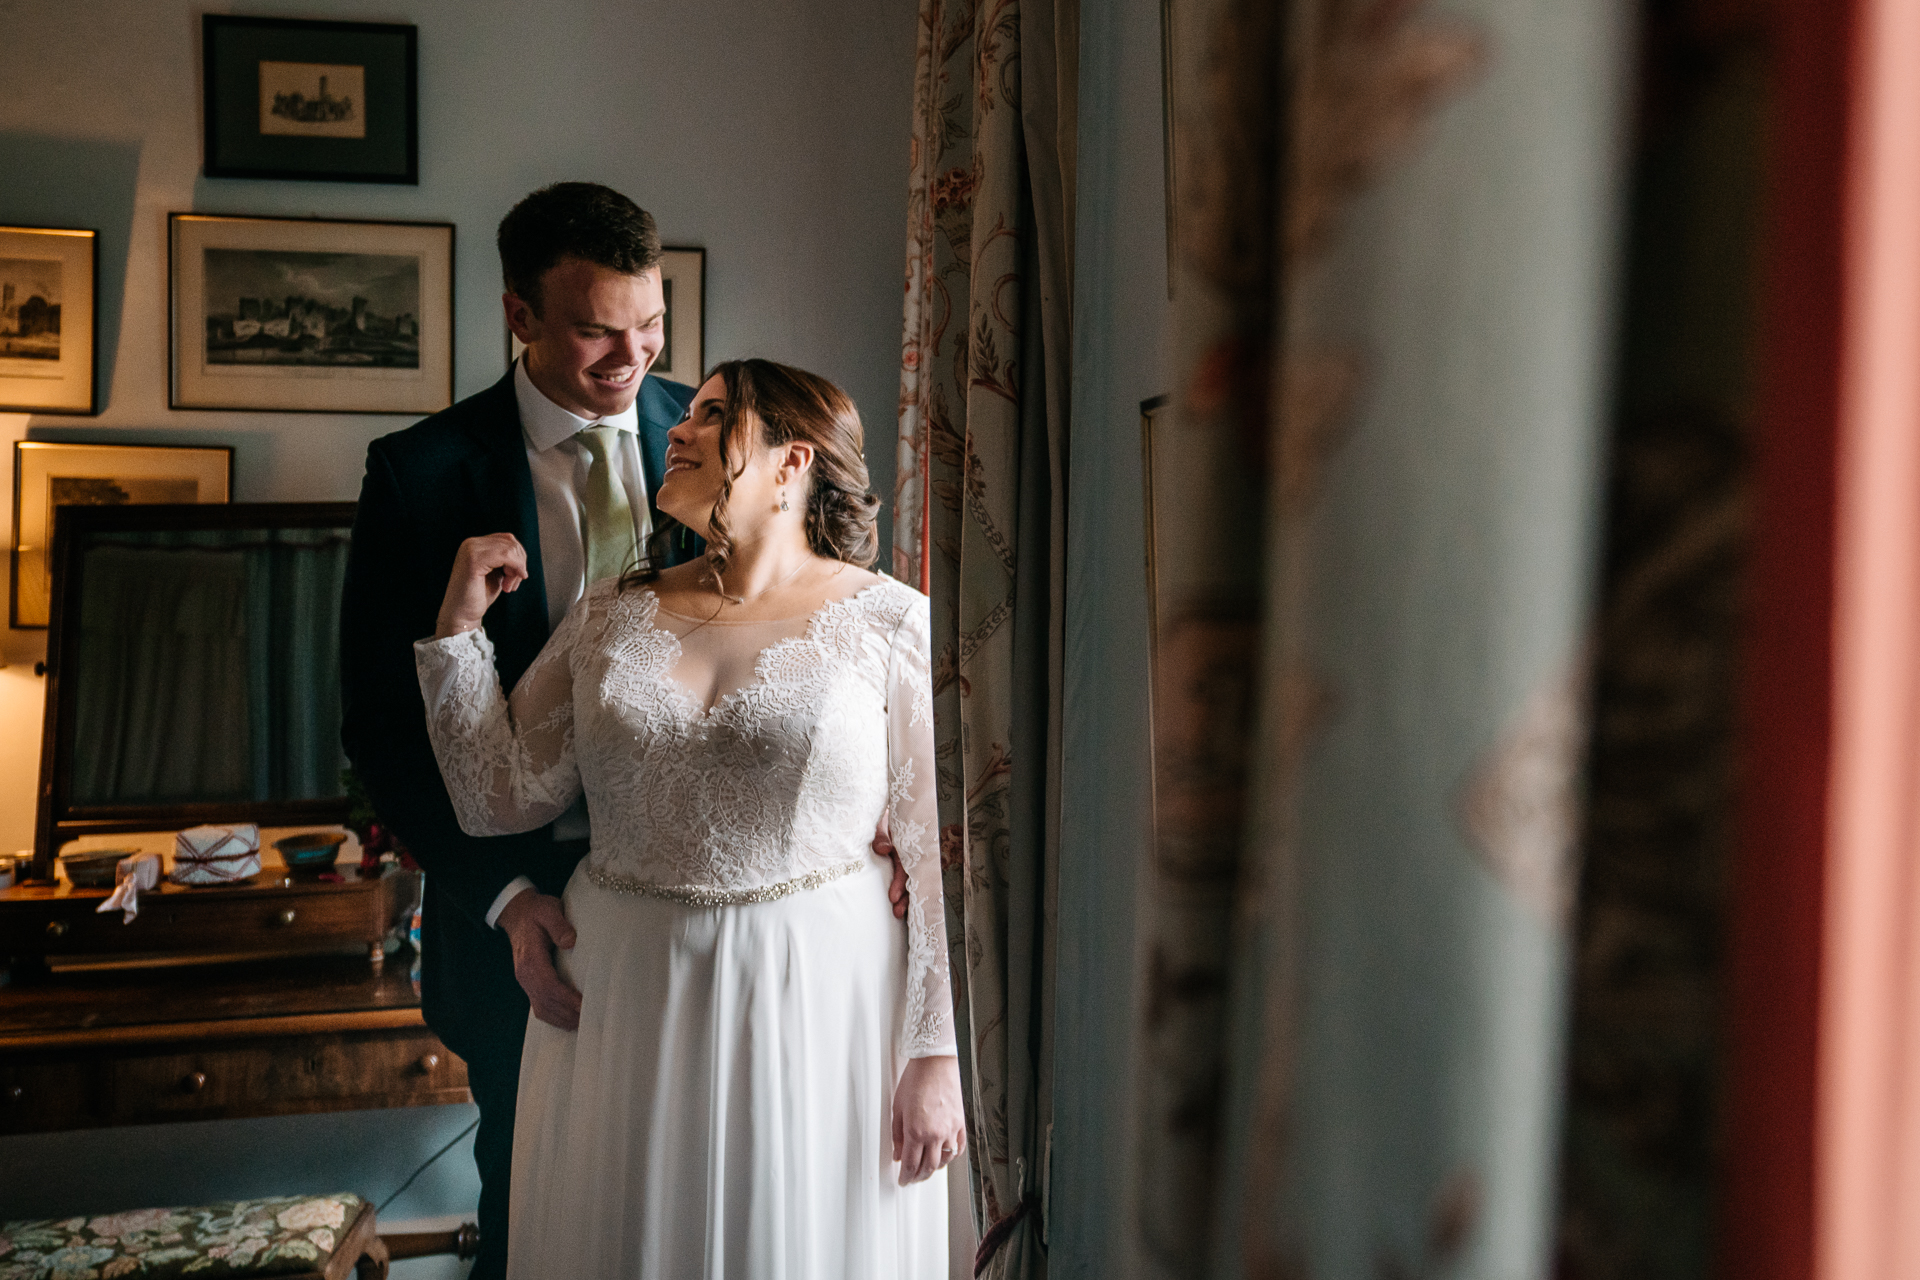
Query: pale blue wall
<point>774,132</point>
<point>368,1152</point>
<point>1121,318</point>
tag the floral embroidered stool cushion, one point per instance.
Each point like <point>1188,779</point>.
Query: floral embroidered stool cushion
<point>298,1237</point>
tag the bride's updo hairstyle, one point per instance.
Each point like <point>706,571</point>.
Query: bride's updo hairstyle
<point>792,404</point>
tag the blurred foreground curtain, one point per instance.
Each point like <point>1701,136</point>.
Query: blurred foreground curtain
<point>979,525</point>
<point>1394,247</point>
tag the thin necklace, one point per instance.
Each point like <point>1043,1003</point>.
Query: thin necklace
<point>720,586</point>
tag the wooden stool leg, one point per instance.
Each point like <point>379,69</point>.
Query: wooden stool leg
<point>373,1261</point>
<point>463,1243</point>
<point>360,1250</point>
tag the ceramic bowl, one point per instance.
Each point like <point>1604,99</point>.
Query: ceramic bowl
<point>310,850</point>
<point>93,869</point>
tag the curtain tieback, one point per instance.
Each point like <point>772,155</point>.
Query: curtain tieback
<point>1000,1232</point>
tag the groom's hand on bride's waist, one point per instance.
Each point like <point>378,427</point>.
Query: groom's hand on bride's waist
<point>897,887</point>
<point>536,924</point>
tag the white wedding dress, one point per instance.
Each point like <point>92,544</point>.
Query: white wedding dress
<point>749,999</point>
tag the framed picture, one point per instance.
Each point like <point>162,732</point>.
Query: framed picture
<point>48,475</point>
<point>325,101</point>
<point>46,319</point>
<point>1154,442</point>
<point>310,315</point>
<point>1202,650</point>
<point>683,279</point>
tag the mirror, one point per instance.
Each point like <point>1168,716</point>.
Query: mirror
<point>194,670</point>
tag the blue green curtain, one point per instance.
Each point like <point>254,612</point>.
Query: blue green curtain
<point>208,667</point>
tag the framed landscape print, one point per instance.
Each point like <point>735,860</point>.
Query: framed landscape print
<point>325,101</point>
<point>683,280</point>
<point>310,315</point>
<point>48,475</point>
<point>46,319</point>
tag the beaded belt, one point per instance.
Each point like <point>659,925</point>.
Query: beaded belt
<point>694,895</point>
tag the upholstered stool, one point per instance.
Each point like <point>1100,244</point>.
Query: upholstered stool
<point>297,1237</point>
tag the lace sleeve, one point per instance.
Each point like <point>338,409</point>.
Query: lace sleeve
<point>914,821</point>
<point>508,761</point>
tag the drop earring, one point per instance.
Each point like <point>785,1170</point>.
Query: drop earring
<point>783,499</point>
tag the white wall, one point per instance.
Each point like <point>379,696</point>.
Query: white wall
<point>773,132</point>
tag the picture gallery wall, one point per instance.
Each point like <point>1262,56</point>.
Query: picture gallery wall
<point>240,183</point>
<point>783,196</point>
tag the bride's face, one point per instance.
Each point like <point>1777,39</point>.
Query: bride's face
<point>691,487</point>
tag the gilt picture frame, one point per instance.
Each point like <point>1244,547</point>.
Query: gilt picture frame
<point>306,100</point>
<point>49,474</point>
<point>48,296</point>
<point>683,280</point>
<point>310,315</point>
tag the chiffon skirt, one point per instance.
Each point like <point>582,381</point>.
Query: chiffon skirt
<point>725,1109</point>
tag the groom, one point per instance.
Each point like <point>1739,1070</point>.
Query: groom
<point>566,453</point>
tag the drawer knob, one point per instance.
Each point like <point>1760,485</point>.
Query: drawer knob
<point>288,916</point>
<point>56,928</point>
<point>428,1061</point>
<point>12,1094</point>
<point>194,1082</point>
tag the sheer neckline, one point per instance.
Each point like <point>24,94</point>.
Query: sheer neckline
<point>790,619</point>
<point>704,712</point>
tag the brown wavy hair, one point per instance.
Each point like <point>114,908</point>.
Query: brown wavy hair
<point>842,513</point>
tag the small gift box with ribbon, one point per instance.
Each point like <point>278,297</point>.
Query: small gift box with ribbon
<point>216,855</point>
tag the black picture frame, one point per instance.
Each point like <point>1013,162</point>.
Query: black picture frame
<point>235,52</point>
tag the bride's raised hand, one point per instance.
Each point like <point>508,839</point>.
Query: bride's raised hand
<point>482,569</point>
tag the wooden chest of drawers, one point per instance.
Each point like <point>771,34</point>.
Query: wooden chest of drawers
<point>94,1087</point>
<point>269,1036</point>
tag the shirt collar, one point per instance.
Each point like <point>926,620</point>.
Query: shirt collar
<point>546,424</point>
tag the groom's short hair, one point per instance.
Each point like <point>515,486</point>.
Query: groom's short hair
<point>573,219</point>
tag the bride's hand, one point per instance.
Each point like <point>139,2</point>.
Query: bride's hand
<point>929,1125</point>
<point>482,569</point>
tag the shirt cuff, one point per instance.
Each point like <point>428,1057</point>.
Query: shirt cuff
<point>513,890</point>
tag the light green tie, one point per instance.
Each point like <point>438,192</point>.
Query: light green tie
<point>612,547</point>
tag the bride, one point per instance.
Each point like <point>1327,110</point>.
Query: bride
<point>763,1079</point>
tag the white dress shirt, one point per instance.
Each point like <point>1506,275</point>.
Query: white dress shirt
<point>559,464</point>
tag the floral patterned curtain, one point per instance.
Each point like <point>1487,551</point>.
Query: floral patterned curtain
<point>1395,224</point>
<point>979,519</point>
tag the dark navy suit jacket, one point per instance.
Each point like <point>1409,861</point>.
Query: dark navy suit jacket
<point>458,474</point>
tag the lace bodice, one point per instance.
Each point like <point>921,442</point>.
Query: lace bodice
<point>823,725</point>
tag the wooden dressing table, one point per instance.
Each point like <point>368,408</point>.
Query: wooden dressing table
<point>192,677</point>
<point>125,1036</point>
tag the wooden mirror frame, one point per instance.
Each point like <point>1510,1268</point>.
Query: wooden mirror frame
<point>58,820</point>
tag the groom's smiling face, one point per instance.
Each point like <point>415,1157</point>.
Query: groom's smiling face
<point>595,335</point>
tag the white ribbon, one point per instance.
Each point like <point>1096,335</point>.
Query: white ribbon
<point>130,876</point>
